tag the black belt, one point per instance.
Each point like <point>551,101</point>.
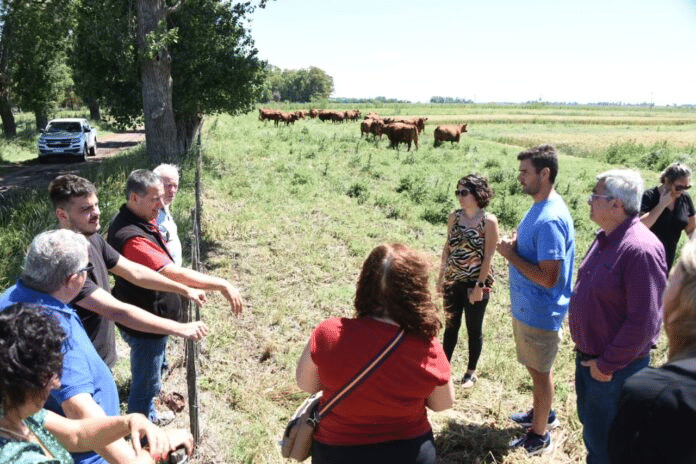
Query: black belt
<point>584,356</point>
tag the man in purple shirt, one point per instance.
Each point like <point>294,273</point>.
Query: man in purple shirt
<point>616,305</point>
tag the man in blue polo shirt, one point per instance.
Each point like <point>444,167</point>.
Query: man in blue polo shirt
<point>541,259</point>
<point>55,269</point>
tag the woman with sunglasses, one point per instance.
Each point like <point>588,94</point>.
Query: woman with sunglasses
<point>667,209</point>
<point>466,275</point>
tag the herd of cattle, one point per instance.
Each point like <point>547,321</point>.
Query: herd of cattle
<point>397,129</point>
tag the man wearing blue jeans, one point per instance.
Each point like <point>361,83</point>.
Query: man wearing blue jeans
<point>616,305</point>
<point>134,233</point>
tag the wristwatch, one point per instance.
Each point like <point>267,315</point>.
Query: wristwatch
<point>480,284</point>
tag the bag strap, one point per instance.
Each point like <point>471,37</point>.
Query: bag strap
<point>362,375</point>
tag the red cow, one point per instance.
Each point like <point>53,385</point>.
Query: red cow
<point>399,132</point>
<point>372,115</point>
<point>338,116</point>
<point>301,114</point>
<point>376,128</point>
<point>325,115</point>
<point>353,115</point>
<point>268,113</point>
<point>371,126</point>
<point>419,122</point>
<point>313,113</point>
<point>448,133</point>
<point>287,118</point>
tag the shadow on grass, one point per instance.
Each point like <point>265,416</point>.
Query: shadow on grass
<point>473,443</point>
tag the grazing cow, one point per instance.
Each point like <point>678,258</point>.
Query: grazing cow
<point>301,114</point>
<point>371,126</point>
<point>353,115</point>
<point>419,122</point>
<point>365,126</point>
<point>399,132</point>
<point>287,118</point>
<point>313,113</point>
<point>376,128</point>
<point>267,113</point>
<point>338,116</point>
<point>448,133</point>
<point>372,115</point>
<point>325,115</point>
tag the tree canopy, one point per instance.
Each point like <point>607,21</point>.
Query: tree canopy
<point>297,85</point>
<point>209,55</point>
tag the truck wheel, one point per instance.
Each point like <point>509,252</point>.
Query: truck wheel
<point>85,152</point>
<point>93,150</point>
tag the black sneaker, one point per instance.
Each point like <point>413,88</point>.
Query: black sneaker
<point>525,419</point>
<point>533,443</point>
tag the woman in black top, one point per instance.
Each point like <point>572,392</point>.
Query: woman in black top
<point>667,209</point>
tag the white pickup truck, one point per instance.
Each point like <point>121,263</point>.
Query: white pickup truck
<point>68,137</point>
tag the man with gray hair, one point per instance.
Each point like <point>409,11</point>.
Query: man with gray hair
<point>134,234</point>
<point>55,269</point>
<point>616,305</point>
<point>77,208</point>
<point>169,175</point>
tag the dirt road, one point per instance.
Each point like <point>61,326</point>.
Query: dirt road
<point>32,175</point>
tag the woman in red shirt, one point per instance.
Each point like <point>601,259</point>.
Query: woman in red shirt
<point>384,420</point>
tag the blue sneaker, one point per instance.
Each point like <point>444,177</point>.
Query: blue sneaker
<point>525,419</point>
<point>532,443</point>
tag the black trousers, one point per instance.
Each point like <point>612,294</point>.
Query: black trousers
<point>420,450</point>
<point>456,302</point>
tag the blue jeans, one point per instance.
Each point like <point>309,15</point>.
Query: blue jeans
<point>597,404</point>
<point>147,355</point>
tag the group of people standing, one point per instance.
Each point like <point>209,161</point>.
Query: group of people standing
<point>57,325</point>
<point>64,285</point>
<point>615,313</point>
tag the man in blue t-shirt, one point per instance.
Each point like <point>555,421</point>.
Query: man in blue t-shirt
<point>55,269</point>
<point>541,255</point>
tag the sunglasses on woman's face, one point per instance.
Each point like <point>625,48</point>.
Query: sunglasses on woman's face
<point>679,188</point>
<point>462,193</point>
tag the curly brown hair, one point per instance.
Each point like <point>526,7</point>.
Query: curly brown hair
<point>394,283</point>
<point>478,186</point>
<point>31,341</point>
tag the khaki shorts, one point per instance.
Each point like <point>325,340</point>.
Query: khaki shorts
<point>536,348</point>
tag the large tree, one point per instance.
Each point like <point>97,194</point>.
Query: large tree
<point>192,58</point>
<point>38,33</point>
<point>7,27</point>
<point>216,68</point>
<point>104,60</point>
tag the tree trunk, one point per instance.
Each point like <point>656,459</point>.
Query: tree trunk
<point>160,129</point>
<point>9,126</point>
<point>94,113</point>
<point>41,119</point>
<point>187,127</point>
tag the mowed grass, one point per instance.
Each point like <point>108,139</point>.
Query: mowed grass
<point>289,215</point>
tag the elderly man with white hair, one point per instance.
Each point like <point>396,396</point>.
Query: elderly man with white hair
<point>55,268</point>
<point>169,174</point>
<point>616,305</point>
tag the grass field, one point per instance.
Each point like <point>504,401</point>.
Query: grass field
<point>289,215</point>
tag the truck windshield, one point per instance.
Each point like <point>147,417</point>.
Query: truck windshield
<point>64,127</point>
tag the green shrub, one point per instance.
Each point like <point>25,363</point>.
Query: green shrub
<point>359,191</point>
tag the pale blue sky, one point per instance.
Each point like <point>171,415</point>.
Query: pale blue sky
<point>489,50</point>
